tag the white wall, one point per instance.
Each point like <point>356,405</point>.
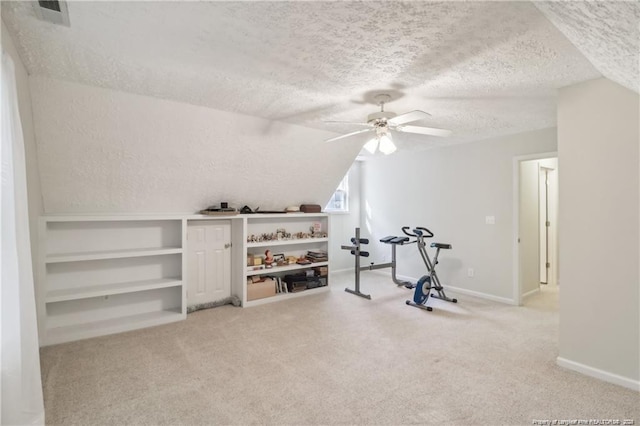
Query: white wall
<point>101,150</point>
<point>599,230</point>
<point>343,224</point>
<point>451,190</point>
<point>34,195</point>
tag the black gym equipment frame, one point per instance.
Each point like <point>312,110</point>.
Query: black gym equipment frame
<point>355,249</point>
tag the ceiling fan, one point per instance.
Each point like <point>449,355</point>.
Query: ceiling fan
<point>383,123</point>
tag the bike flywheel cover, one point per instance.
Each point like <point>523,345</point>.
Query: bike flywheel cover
<point>423,288</point>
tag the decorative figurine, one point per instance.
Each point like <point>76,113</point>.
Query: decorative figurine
<point>268,259</point>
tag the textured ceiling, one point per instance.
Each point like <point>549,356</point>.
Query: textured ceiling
<point>480,68</point>
<point>607,33</point>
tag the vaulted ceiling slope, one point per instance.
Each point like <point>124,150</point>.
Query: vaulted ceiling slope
<point>481,69</point>
<point>606,32</point>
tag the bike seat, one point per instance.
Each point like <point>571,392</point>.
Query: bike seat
<point>399,240</point>
<point>387,240</point>
<point>441,246</point>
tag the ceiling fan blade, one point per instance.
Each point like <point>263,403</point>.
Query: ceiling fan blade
<point>408,117</point>
<point>424,130</point>
<point>350,123</point>
<point>349,134</point>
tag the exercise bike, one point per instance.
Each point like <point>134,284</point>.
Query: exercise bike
<point>430,281</point>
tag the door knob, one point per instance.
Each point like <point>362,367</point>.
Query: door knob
<point>227,245</point>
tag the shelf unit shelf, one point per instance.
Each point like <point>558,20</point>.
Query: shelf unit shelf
<point>110,254</point>
<point>286,296</point>
<point>286,268</point>
<point>110,289</point>
<point>85,330</point>
<point>276,243</point>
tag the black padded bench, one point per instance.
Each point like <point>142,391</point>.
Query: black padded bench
<point>392,239</point>
<point>441,246</point>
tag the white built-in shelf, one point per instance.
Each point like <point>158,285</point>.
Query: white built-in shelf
<point>276,269</point>
<point>103,274</point>
<point>293,223</point>
<point>110,254</point>
<point>286,296</point>
<point>116,325</point>
<point>110,289</point>
<point>287,242</point>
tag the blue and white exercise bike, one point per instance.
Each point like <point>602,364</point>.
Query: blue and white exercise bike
<point>430,281</point>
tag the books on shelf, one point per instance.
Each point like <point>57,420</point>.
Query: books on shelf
<point>317,256</point>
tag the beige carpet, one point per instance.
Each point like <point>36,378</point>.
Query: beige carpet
<point>332,358</point>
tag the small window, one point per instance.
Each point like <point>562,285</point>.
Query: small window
<point>339,201</point>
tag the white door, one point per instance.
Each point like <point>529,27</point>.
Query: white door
<point>528,232</point>
<point>208,261</point>
<point>549,221</point>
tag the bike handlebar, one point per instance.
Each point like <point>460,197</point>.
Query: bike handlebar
<point>426,231</point>
<point>417,232</point>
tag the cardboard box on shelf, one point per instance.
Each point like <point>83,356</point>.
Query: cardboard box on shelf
<point>321,271</point>
<point>262,289</point>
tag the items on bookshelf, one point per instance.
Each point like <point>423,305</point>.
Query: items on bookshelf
<point>256,263</point>
<point>294,246</point>
<point>310,208</point>
<point>304,281</point>
<point>268,259</point>
<point>321,271</point>
<point>281,286</point>
<point>259,287</point>
<point>223,210</point>
<point>317,256</point>
<point>282,235</point>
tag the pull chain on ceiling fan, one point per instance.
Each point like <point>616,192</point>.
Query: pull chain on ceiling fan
<point>384,122</point>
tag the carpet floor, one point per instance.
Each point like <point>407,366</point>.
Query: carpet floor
<point>333,358</point>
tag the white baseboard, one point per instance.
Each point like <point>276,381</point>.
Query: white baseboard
<point>481,295</point>
<point>466,292</point>
<point>599,374</point>
<point>529,293</point>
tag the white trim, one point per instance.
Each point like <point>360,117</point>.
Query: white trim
<point>464,291</point>
<point>599,374</point>
<point>387,273</point>
<point>531,292</point>
<point>479,295</point>
<point>517,291</point>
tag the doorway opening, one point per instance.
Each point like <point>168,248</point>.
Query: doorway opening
<point>536,261</point>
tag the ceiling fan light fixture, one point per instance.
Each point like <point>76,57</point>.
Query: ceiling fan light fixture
<point>386,145</point>
<point>372,145</point>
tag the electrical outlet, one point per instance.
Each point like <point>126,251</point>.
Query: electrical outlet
<point>470,272</point>
<point>490,220</point>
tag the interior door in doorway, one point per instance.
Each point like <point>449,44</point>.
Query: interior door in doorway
<point>548,226</point>
<point>208,261</point>
<point>543,206</point>
<point>528,227</point>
